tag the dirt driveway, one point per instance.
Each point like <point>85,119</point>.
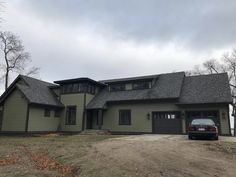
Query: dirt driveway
<point>161,155</point>
<point>116,156</point>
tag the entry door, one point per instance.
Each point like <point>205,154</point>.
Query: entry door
<point>214,115</point>
<point>1,117</point>
<point>166,122</point>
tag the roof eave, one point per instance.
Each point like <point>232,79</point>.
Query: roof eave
<point>47,105</point>
<point>224,102</point>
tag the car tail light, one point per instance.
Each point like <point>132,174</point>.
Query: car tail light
<point>212,129</point>
<point>190,128</point>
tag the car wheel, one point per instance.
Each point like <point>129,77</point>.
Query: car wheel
<point>216,138</point>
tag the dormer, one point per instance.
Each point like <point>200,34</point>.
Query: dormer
<point>79,85</point>
<point>136,83</point>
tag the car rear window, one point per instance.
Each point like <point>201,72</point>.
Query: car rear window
<point>202,122</point>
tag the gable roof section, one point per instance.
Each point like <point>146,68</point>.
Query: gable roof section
<point>36,91</point>
<point>167,86</point>
<point>213,88</point>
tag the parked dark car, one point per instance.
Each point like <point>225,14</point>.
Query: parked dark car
<point>203,128</point>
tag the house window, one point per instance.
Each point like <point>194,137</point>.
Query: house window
<point>117,87</point>
<point>125,117</point>
<point>47,112</point>
<point>71,115</point>
<point>83,87</point>
<point>91,89</point>
<point>75,88</point>
<point>57,113</point>
<point>140,85</point>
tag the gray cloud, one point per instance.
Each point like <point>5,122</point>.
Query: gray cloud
<point>107,39</point>
<point>198,24</point>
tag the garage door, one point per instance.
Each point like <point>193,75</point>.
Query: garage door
<point>214,115</point>
<point>166,123</point>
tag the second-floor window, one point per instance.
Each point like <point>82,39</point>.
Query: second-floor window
<point>117,87</point>
<point>140,85</point>
<point>78,88</point>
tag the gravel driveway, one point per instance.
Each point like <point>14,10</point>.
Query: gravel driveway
<point>161,155</point>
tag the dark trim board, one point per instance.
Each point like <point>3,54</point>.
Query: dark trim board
<point>27,118</point>
<point>229,121</point>
<point>84,111</point>
<point>2,117</point>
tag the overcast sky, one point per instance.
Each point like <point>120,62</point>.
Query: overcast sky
<point>109,39</point>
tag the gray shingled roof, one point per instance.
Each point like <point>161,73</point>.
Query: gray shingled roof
<point>168,86</point>
<point>212,88</point>
<point>38,92</point>
<point>188,90</point>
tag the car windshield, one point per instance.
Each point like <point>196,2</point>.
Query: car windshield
<point>202,122</point>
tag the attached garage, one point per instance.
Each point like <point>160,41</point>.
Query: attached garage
<point>166,123</point>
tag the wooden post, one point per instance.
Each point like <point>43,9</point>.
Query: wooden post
<point>100,119</point>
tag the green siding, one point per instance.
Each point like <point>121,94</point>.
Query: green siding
<point>15,110</point>
<point>139,121</point>
<point>38,122</point>
<point>139,111</point>
<point>73,100</point>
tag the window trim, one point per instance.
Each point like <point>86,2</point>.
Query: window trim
<point>45,112</point>
<point>130,121</point>
<point>66,121</point>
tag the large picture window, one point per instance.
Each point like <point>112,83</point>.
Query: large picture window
<point>71,115</point>
<point>125,117</point>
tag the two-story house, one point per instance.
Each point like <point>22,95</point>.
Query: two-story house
<point>163,103</point>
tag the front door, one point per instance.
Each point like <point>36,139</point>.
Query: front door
<point>1,117</point>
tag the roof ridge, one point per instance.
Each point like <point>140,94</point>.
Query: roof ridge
<point>143,76</point>
<point>36,79</point>
<point>208,74</point>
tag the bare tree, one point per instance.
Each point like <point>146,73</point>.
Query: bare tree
<point>226,64</point>
<point>15,58</point>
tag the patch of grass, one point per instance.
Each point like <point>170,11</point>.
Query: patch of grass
<point>66,150</point>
